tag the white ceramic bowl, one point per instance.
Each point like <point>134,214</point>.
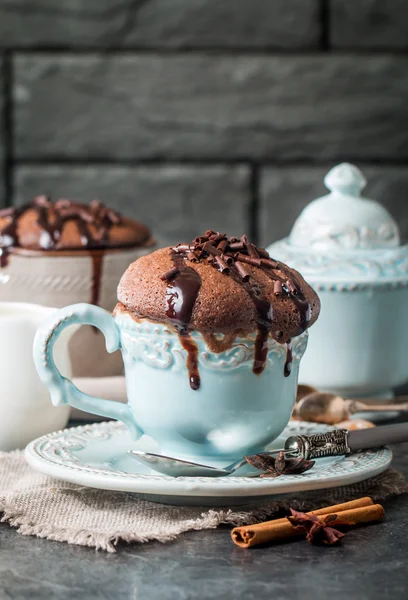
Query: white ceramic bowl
<point>62,278</point>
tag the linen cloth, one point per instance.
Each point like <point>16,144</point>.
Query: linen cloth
<point>39,505</point>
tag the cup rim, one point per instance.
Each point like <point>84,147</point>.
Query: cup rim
<point>24,307</point>
<point>166,328</point>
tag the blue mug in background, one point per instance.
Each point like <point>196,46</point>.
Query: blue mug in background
<point>233,413</point>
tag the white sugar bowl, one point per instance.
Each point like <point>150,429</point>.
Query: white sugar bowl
<point>348,248</point>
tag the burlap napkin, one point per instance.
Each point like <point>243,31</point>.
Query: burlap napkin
<point>39,505</point>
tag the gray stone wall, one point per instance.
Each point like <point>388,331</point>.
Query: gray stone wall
<point>191,114</point>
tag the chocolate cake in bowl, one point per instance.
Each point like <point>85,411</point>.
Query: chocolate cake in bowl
<point>224,289</point>
<point>63,252</point>
<point>211,333</point>
<point>225,326</point>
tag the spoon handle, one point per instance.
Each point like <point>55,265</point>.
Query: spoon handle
<point>354,406</point>
<point>340,442</point>
<point>400,399</point>
<point>377,436</point>
<point>319,445</point>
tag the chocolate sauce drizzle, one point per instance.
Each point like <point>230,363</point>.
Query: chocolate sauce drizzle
<point>230,256</point>
<point>182,290</point>
<point>287,369</point>
<point>97,266</point>
<point>192,360</point>
<point>51,219</point>
<point>181,294</point>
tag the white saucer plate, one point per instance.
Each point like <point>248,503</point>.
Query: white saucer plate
<point>97,456</point>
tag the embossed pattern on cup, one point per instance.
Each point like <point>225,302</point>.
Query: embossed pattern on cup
<point>234,412</point>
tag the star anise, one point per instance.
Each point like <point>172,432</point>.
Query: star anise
<point>275,466</point>
<point>318,532</point>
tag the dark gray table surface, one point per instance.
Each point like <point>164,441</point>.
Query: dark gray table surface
<point>371,563</point>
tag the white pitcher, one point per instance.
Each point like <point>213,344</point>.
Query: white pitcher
<point>25,408</point>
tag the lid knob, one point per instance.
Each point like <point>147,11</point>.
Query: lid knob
<point>345,179</point>
<point>343,220</point>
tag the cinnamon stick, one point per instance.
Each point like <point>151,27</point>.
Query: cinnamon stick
<point>362,510</point>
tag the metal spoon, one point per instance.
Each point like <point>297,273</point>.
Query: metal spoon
<point>175,467</point>
<point>321,407</point>
<point>304,390</point>
<point>338,442</point>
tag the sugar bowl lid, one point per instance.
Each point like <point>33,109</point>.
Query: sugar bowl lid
<point>343,236</point>
<point>344,220</point>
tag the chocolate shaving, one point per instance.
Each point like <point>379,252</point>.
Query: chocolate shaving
<point>60,203</point>
<point>222,245</point>
<point>223,267</point>
<point>228,259</point>
<point>43,201</point>
<point>180,248</point>
<point>290,286</point>
<point>242,270</point>
<point>256,262</point>
<point>269,263</point>
<point>71,212</point>
<point>219,237</point>
<point>263,253</point>
<point>252,251</point>
<point>236,245</point>
<point>277,288</point>
<point>199,250</point>
<point>211,249</point>
<point>7,212</point>
<point>113,216</point>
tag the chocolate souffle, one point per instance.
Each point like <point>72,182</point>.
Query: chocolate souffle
<point>66,225</point>
<point>220,285</point>
<point>63,252</point>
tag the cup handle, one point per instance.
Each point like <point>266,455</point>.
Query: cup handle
<point>62,390</point>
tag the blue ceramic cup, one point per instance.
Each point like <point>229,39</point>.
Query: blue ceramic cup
<point>233,413</point>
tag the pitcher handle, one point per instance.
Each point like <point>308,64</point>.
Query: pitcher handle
<point>62,390</point>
